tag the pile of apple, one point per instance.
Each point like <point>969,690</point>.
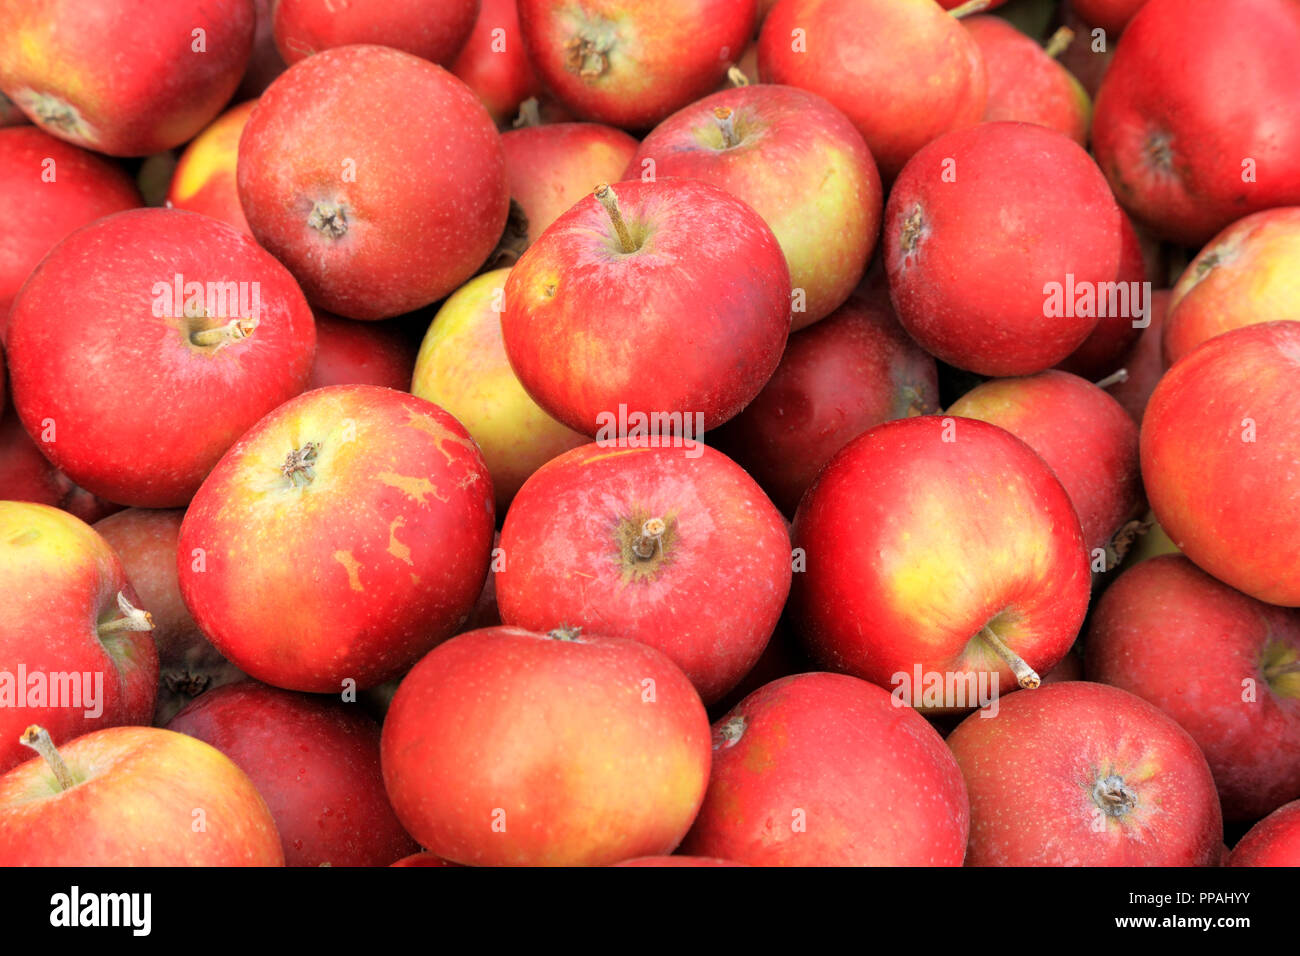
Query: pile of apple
<point>424,417</point>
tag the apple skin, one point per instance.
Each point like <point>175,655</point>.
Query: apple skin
<point>630,63</point>
<point>1025,84</point>
<point>352,564</point>
<point>10,114</point>
<point>1033,772</point>
<point>384,213</point>
<point>693,320</point>
<point>422,858</point>
<point>1248,273</point>
<point>27,475</point>
<point>904,71</point>
<point>315,761</point>
<point>1084,435</point>
<point>431,29</point>
<point>915,543</point>
<point>62,582</point>
<point>799,163</point>
<point>1176,637</point>
<point>1273,841</point>
<point>135,805</point>
<point>145,542</point>
<point>509,747</point>
<point>553,166</point>
<point>1086,64</point>
<point>147,90</point>
<point>496,67</point>
<point>1169,140</point>
<point>1144,362</point>
<point>85,187</point>
<point>462,367</point>
<point>360,353</point>
<point>265,62</point>
<point>204,178</point>
<point>569,541</point>
<point>1111,15</point>
<point>977,299</point>
<point>876,785</point>
<point>678,861</point>
<point>846,374</point>
<point>1231,505</point>
<point>141,413</point>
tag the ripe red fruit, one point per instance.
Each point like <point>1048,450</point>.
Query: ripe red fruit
<point>632,542</point>
<point>197,334</point>
<point>423,858</point>
<point>1225,666</point>
<point>1273,841</point>
<point>1080,774</point>
<point>342,537</point>
<point>47,190</point>
<point>630,63</point>
<point>983,299</point>
<point>361,353</point>
<point>693,294</point>
<point>494,63</point>
<point>315,762</point>
<point>799,163</point>
<point>940,542</point>
<point>120,76</point>
<point>1143,362</point>
<point>74,640</point>
<point>388,211</point>
<point>204,178</point>
<point>1111,15</point>
<point>903,71</point>
<point>678,861</point>
<point>508,747</point>
<point>838,378</point>
<point>1183,157</point>
<point>433,29</point>
<point>825,770</point>
<point>1219,447</point>
<point>27,475</point>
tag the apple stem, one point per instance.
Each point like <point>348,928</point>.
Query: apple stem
<point>605,193</point>
<point>38,739</point>
<point>1292,667</point>
<point>530,114</point>
<point>1058,42</point>
<point>651,531</point>
<point>1026,676</point>
<point>736,76</point>
<point>1114,378</point>
<point>969,7</point>
<point>232,331</point>
<point>132,619</point>
<point>727,125</point>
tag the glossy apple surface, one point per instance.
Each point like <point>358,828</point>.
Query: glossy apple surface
<point>1274,841</point>
<point>494,62</point>
<point>432,29</point>
<point>360,353</point>
<point>27,475</point>
<point>204,178</point>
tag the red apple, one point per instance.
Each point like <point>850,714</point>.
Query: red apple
<point>508,747</point>
<point>1007,301</point>
<point>678,861</point>
<point>423,858</point>
<point>265,62</point>
<point>551,167</point>
<point>1248,273</point>
<point>27,475</point>
<point>342,537</point>
<point>1273,841</point>
<point>360,353</point>
<point>391,208</point>
<point>825,770</point>
<point>1219,454</point>
<point>939,543</point>
<point>1026,84</point>
<point>462,367</point>
<point>842,376</point>
<point>630,63</point>
<point>433,29</point>
<point>316,763</point>
<point>74,637</point>
<point>145,541</point>
<point>1084,435</point>
<point>124,77</point>
<point>903,71</point>
<point>133,796</point>
<point>799,163</point>
<point>633,541</point>
<point>693,294</point>
<point>197,334</point>
<point>1081,774</point>
<point>1090,51</point>
<point>1110,15</point>
<point>204,178</point>
<point>1183,156</point>
<point>1225,666</point>
<point>493,62</point>
<point>1143,364</point>
<point>47,190</point>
